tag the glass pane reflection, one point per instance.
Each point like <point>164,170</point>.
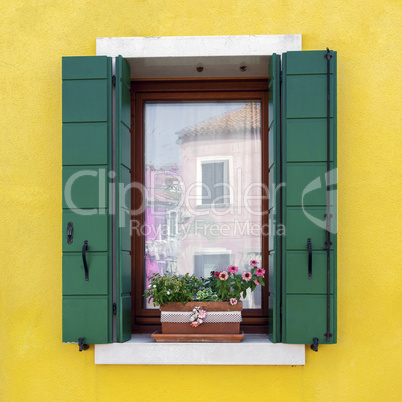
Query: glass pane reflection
<point>202,179</point>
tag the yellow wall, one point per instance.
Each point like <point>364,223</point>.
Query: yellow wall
<point>34,35</point>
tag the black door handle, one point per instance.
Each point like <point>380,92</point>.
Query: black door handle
<point>310,258</point>
<point>84,258</point>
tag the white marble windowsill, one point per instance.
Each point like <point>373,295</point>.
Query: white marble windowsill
<point>253,350</point>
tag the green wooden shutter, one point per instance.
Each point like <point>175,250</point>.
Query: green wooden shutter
<point>87,156</point>
<point>303,170</point>
<point>123,200</point>
<point>92,150</point>
<point>274,200</point>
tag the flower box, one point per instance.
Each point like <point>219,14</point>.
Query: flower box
<point>203,319</point>
<point>220,318</point>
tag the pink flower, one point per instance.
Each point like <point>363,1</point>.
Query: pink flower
<point>232,269</point>
<point>233,301</point>
<point>256,281</point>
<point>223,276</point>
<point>202,313</point>
<point>195,324</point>
<point>246,276</point>
<point>254,263</point>
<point>260,272</point>
<point>216,274</point>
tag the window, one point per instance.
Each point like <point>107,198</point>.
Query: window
<point>206,261</point>
<point>198,153</point>
<point>172,224</point>
<point>215,181</point>
<point>96,138</point>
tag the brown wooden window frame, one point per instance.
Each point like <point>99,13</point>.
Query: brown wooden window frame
<point>147,320</point>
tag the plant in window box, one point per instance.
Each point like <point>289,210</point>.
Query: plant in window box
<point>203,310</point>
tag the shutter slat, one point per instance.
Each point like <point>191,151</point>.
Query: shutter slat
<point>274,268</point>
<point>123,201</point>
<point>93,144</point>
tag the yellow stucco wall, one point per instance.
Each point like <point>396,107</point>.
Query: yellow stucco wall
<point>35,365</point>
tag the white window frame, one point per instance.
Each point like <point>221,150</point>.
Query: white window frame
<point>179,57</point>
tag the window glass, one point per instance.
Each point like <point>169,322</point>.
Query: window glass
<point>202,188</point>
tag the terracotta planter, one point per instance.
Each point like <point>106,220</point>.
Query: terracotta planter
<point>221,318</point>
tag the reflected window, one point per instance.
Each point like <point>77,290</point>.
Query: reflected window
<point>215,182</point>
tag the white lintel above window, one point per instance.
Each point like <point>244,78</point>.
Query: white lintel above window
<point>179,56</point>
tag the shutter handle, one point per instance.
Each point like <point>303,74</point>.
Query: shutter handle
<point>310,258</point>
<point>84,259</point>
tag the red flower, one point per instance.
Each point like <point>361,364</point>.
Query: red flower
<point>216,274</point>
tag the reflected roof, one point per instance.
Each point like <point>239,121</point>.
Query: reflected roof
<point>245,118</point>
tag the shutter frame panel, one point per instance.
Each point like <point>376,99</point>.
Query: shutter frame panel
<point>123,202</point>
<point>304,155</point>
<point>87,117</point>
<point>93,139</point>
<point>274,267</point>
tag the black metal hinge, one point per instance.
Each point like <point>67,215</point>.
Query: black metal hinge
<point>114,309</point>
<point>82,346</point>
<point>114,80</point>
<point>70,232</point>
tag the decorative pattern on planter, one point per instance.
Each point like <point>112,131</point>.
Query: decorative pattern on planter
<point>201,318</point>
